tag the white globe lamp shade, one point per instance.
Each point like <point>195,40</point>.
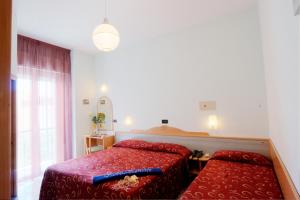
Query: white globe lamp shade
<point>106,37</point>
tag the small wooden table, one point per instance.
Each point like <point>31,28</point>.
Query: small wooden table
<point>105,141</point>
<point>201,162</point>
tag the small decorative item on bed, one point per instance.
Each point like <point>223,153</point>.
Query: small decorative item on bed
<point>126,183</point>
<point>113,176</point>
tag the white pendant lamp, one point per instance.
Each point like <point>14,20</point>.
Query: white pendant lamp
<point>105,36</point>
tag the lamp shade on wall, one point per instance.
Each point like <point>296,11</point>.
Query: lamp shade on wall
<point>213,122</point>
<point>128,121</point>
<point>106,37</point>
<point>103,88</point>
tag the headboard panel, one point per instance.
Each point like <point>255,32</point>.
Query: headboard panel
<point>198,140</point>
<point>169,131</point>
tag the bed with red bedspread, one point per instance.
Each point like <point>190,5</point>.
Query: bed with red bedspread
<point>72,179</point>
<point>235,175</point>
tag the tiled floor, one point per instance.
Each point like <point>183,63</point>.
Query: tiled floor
<point>29,190</point>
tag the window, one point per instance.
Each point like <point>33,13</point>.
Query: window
<point>43,107</point>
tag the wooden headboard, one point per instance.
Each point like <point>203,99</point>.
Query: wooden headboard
<point>169,131</point>
<point>197,140</point>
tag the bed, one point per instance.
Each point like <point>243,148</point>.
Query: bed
<point>235,175</point>
<point>72,179</point>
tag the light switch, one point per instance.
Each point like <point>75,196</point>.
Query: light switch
<point>207,105</point>
<point>85,101</point>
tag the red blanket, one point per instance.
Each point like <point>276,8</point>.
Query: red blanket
<point>234,180</point>
<point>73,178</point>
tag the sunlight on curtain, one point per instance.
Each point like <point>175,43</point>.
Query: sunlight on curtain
<point>37,123</point>
<point>36,138</point>
<point>43,107</point>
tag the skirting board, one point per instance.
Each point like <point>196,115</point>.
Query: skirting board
<point>287,186</point>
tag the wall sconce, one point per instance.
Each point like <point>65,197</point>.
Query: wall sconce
<point>213,122</point>
<point>128,121</point>
<point>103,88</point>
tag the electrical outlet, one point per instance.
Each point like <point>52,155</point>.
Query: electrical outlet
<point>207,105</point>
<point>164,121</point>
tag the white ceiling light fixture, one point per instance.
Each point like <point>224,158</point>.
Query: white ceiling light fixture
<point>105,36</point>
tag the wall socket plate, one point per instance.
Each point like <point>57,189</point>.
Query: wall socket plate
<point>85,101</point>
<point>208,105</point>
<point>164,121</point>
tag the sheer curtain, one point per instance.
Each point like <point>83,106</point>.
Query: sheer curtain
<point>44,134</point>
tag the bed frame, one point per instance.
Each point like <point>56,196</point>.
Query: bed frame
<point>287,186</point>
<point>169,131</point>
<point>197,140</point>
<point>210,144</point>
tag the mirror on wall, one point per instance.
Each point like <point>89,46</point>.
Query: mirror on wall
<point>105,114</point>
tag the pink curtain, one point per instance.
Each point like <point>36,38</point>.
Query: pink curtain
<point>44,129</point>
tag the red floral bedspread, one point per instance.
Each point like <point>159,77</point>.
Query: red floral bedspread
<point>234,180</point>
<point>73,179</point>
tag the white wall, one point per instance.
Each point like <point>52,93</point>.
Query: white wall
<point>280,34</point>
<point>83,87</point>
<point>168,76</point>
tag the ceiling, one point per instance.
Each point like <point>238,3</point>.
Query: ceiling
<point>70,23</point>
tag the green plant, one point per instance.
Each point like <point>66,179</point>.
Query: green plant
<point>94,120</point>
<point>101,117</point>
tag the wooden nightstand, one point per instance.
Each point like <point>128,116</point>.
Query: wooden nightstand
<point>105,141</point>
<point>197,164</point>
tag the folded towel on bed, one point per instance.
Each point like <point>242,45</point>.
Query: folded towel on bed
<point>112,176</point>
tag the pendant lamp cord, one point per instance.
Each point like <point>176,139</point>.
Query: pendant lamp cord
<point>105,8</point>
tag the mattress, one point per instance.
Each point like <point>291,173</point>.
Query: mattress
<point>222,179</point>
<point>73,179</point>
